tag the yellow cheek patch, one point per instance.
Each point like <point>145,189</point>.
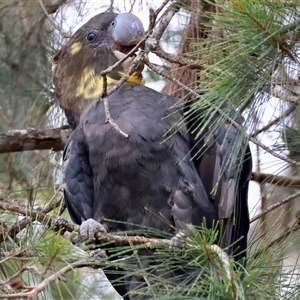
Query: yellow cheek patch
<point>133,78</point>
<point>75,48</point>
<point>90,85</point>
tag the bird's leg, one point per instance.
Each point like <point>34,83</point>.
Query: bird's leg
<point>89,229</point>
<point>87,232</point>
<point>184,232</point>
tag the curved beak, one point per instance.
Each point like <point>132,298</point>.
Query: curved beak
<point>128,30</point>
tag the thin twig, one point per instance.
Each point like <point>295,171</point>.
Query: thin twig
<point>15,254</point>
<point>46,282</point>
<point>13,230</point>
<point>154,14</point>
<point>151,41</point>
<point>106,92</point>
<point>109,90</point>
<point>276,205</point>
<point>177,59</point>
<point>18,273</point>
<point>128,55</point>
<point>278,180</point>
<point>275,121</point>
<point>165,19</point>
<point>12,205</point>
<point>51,20</point>
<point>110,120</point>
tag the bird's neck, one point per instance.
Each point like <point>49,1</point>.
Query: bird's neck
<point>90,85</point>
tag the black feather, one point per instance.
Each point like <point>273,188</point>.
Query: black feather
<point>222,157</point>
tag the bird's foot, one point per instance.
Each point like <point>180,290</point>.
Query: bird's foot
<point>89,229</point>
<point>223,258</point>
<point>178,239</point>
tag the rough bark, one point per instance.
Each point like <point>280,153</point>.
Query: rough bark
<point>34,139</point>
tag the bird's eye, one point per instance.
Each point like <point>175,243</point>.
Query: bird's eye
<point>113,23</point>
<point>91,37</point>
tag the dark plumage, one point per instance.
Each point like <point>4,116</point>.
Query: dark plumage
<point>142,180</point>
<point>223,160</point>
<point>134,180</point>
<point>148,179</point>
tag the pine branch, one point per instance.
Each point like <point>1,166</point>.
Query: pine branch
<point>222,113</point>
<point>34,290</point>
<point>282,45</point>
<point>34,139</point>
<point>16,227</point>
<point>8,203</point>
<point>275,206</point>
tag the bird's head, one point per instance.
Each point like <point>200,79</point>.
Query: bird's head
<point>97,45</point>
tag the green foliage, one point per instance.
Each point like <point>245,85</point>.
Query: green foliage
<point>211,274</point>
<point>258,39</point>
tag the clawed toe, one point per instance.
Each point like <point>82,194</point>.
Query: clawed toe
<point>89,228</point>
<point>177,239</point>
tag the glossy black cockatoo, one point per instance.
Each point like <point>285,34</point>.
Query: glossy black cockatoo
<point>149,178</point>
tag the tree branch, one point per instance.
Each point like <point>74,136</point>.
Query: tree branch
<point>261,178</point>
<point>34,139</point>
<point>276,205</point>
<point>275,121</point>
<point>177,59</point>
<point>7,203</point>
<point>57,224</point>
<point>16,227</point>
<point>34,290</point>
<point>164,21</point>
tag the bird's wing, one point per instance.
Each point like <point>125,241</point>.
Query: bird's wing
<point>78,179</point>
<point>191,204</point>
<point>223,161</point>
